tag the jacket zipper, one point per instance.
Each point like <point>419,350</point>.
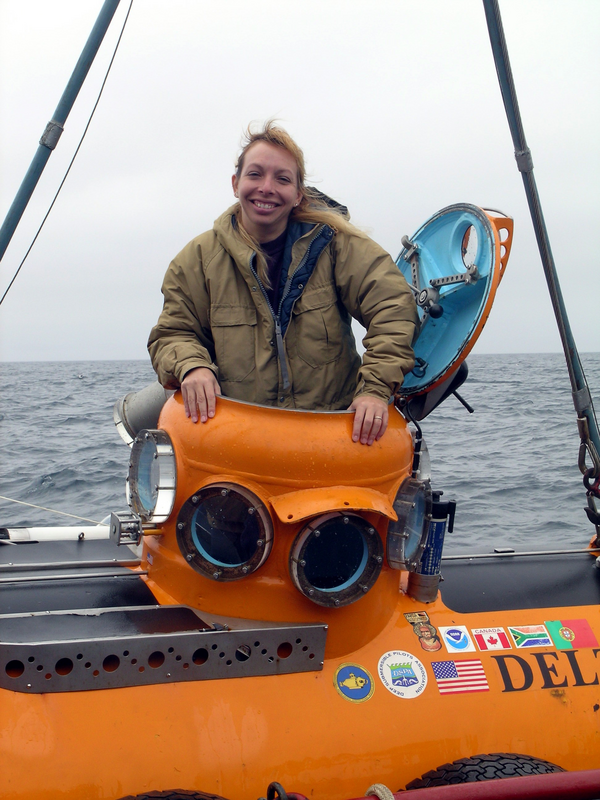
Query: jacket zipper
<point>277,317</point>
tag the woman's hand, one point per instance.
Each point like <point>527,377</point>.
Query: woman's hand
<point>200,389</point>
<point>370,418</point>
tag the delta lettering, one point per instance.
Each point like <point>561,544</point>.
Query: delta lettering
<point>556,670</point>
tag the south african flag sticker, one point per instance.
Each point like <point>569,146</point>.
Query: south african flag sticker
<point>529,636</point>
<point>570,634</point>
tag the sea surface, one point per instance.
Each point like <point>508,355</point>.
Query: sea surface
<point>511,465</point>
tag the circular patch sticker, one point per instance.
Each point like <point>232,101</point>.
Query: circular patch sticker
<point>354,683</point>
<point>402,674</point>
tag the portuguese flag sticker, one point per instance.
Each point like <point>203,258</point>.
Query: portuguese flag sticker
<point>569,634</point>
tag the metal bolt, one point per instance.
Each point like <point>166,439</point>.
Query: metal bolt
<point>302,563</point>
<point>189,557</point>
<point>216,575</point>
<point>378,559</point>
<point>336,602</point>
<point>371,530</point>
<point>346,520</point>
<point>311,592</point>
<point>259,542</point>
<point>194,499</point>
<point>251,510</point>
<point>317,533</point>
<point>244,569</point>
<point>168,674</point>
<point>180,526</point>
<point>224,492</point>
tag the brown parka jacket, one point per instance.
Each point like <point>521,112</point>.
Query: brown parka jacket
<point>216,314</point>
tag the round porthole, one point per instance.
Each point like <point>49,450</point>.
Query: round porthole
<point>152,476</point>
<point>224,532</point>
<point>336,559</point>
<point>407,536</point>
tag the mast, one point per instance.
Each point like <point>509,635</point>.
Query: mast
<point>582,400</point>
<point>55,127</point>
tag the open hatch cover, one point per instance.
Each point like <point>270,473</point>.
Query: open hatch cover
<point>453,263</point>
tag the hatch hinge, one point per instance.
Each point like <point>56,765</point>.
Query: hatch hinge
<point>125,528</point>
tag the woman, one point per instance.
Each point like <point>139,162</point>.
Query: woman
<point>259,308</point>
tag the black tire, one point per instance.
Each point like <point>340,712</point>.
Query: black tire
<point>173,794</point>
<point>484,768</point>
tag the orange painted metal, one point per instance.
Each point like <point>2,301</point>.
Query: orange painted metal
<point>298,506</point>
<point>503,236</point>
<point>271,451</point>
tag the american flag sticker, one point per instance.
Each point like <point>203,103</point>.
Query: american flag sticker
<point>491,639</point>
<point>456,677</point>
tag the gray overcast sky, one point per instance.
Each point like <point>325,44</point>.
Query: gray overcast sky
<point>395,103</point>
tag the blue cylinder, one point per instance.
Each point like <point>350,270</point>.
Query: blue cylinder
<point>431,560</point>
<point>423,583</point>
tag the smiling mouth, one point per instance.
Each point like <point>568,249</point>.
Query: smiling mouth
<point>267,206</point>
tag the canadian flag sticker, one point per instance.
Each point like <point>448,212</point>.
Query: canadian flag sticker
<point>491,638</point>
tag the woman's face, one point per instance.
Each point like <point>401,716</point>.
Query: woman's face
<point>267,189</point>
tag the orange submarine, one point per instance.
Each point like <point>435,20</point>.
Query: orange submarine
<point>269,612</point>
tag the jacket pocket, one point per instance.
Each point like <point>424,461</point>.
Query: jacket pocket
<point>233,329</point>
<point>319,328</point>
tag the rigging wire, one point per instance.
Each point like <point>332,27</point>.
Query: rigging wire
<point>39,230</point>
<point>52,510</point>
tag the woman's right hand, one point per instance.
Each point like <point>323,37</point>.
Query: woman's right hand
<point>200,389</point>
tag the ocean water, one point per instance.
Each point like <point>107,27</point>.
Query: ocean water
<point>511,466</point>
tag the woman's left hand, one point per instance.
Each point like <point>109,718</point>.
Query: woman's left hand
<point>370,418</point>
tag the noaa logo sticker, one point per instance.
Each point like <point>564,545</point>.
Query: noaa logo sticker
<point>402,674</point>
<point>354,682</point>
<point>457,639</point>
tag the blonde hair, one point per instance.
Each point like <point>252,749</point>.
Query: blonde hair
<point>312,207</point>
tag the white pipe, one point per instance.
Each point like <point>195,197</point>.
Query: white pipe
<point>49,534</point>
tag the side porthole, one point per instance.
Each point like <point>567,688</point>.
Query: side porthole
<point>152,476</point>
<point>336,559</point>
<point>224,532</point>
<point>407,536</point>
